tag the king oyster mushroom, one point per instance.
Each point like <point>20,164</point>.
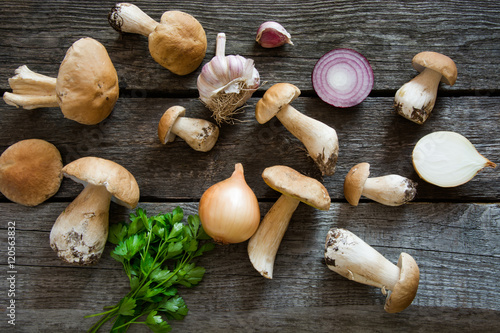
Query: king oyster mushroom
<point>178,42</point>
<point>86,88</point>
<point>30,171</point>
<point>415,99</point>
<point>319,139</point>
<point>351,257</point>
<point>80,232</point>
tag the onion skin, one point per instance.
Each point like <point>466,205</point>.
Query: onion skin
<point>229,210</point>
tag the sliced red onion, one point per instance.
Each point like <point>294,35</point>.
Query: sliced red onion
<point>342,78</point>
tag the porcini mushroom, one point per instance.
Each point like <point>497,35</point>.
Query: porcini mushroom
<point>294,188</point>
<point>178,42</point>
<point>200,134</point>
<point>349,256</point>
<point>80,232</point>
<point>389,190</point>
<point>86,88</point>
<point>30,171</point>
<point>319,139</point>
<point>415,99</point>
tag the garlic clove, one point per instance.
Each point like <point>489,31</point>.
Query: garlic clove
<point>272,34</point>
<point>447,159</point>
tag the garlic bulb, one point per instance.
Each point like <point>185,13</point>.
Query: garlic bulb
<point>227,82</point>
<point>447,159</point>
<point>272,34</point>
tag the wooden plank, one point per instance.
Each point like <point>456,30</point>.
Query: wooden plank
<point>450,242</point>
<point>389,34</point>
<point>371,132</point>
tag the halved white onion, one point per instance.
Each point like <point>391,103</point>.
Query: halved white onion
<point>447,159</point>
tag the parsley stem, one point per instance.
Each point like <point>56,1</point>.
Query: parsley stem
<point>102,313</point>
<point>101,322</point>
<point>130,322</point>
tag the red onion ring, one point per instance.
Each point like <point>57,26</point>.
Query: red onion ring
<point>342,78</point>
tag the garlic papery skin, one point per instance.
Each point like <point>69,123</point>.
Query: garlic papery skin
<point>272,34</point>
<point>226,82</point>
<point>447,159</point>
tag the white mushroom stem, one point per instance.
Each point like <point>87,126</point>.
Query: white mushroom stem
<point>320,140</point>
<point>349,256</point>
<point>264,244</point>
<point>31,90</point>
<point>390,190</point>
<point>126,17</point>
<point>199,134</point>
<point>80,232</point>
<point>415,99</point>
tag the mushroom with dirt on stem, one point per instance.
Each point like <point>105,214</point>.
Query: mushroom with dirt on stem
<point>86,88</point>
<point>416,98</point>
<point>80,232</point>
<point>200,134</point>
<point>389,190</point>
<point>178,42</point>
<point>351,257</point>
<point>30,171</point>
<point>320,140</point>
<point>294,188</point>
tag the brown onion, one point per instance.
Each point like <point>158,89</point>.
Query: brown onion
<point>229,210</point>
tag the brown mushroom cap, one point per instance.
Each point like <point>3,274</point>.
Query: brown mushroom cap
<point>98,171</point>
<point>179,43</point>
<point>293,184</point>
<point>437,62</point>
<point>167,121</point>
<point>87,83</point>
<point>355,181</point>
<point>405,289</point>
<point>274,99</point>
<point>30,172</point>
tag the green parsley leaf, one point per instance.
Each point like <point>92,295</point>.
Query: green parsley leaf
<point>156,253</point>
<point>156,323</point>
<point>127,306</point>
<point>117,232</point>
<point>174,307</point>
<point>177,215</point>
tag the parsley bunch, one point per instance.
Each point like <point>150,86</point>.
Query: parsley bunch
<point>156,253</point>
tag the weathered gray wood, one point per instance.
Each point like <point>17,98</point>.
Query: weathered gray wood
<point>455,246</point>
<point>452,233</point>
<point>389,34</point>
<point>371,132</point>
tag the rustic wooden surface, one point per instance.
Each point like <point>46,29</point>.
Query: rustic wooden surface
<point>452,233</point>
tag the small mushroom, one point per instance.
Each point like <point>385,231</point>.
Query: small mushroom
<point>349,256</point>
<point>319,139</point>
<point>294,188</point>
<point>30,172</point>
<point>178,42</point>
<point>415,99</point>
<point>390,190</point>
<point>80,232</point>
<point>86,88</point>
<point>200,134</point>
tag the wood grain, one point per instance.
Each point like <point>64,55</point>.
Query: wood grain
<point>450,242</point>
<point>453,234</point>
<point>370,132</point>
<point>389,35</point>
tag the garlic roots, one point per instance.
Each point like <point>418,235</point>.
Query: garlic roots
<point>227,82</point>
